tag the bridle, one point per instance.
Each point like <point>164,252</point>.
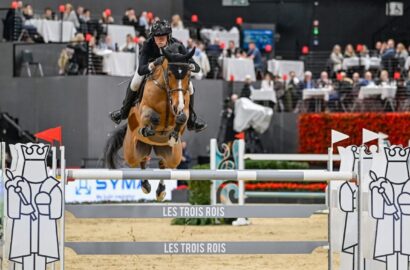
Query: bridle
<point>168,89</point>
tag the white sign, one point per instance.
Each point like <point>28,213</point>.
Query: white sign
<point>113,190</point>
<point>394,9</point>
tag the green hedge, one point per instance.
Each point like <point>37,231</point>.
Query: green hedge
<point>200,191</point>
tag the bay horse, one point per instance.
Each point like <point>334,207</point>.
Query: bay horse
<point>158,120</point>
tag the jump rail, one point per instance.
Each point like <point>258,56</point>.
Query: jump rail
<point>246,175</point>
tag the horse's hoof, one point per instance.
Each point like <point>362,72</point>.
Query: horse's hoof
<point>160,192</point>
<point>172,142</point>
<point>145,186</point>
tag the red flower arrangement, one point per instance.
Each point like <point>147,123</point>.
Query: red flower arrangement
<point>283,186</point>
<point>314,129</point>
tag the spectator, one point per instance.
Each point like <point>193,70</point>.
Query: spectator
<point>143,20</point>
<point>13,23</point>
<point>70,15</point>
<point>176,22</point>
<point>129,45</point>
<point>279,87</point>
<point>401,52</point>
<point>77,63</point>
<point>86,15</point>
<point>28,13</point>
<point>291,92</point>
<point>48,14</point>
<point>364,52</point>
<point>384,79</point>
<point>377,49</point>
<point>130,18</point>
<point>190,44</point>
<point>246,90</point>
<point>389,52</point>
<point>80,13</point>
<point>307,83</point>
<point>324,81</point>
<point>267,82</point>
<point>349,51</point>
<point>232,50</point>
<point>357,83</point>
<point>105,19</point>
<point>368,79</point>
<point>106,44</point>
<point>214,48</point>
<point>202,60</point>
<point>255,55</point>
<point>336,57</point>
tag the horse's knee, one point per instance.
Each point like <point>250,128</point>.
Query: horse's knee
<point>155,118</point>
<point>181,119</point>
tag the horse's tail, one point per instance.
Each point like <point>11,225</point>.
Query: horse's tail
<point>114,143</point>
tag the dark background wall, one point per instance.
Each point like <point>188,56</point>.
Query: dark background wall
<point>341,21</point>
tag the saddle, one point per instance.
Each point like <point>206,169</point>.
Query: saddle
<point>140,91</point>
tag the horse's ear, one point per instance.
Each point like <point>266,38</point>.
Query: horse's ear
<point>190,54</point>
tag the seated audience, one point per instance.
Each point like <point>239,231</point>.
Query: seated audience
<point>349,51</point>
<point>129,45</point>
<point>324,81</point>
<point>368,79</point>
<point>232,50</point>
<point>176,22</point>
<point>48,14</point>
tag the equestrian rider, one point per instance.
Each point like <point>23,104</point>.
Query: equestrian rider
<point>149,58</point>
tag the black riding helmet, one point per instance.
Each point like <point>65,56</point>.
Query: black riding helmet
<point>161,28</point>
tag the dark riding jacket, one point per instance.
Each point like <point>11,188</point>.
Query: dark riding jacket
<point>150,52</point>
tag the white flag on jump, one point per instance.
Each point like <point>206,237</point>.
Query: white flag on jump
<point>369,136</point>
<point>383,136</point>
<point>338,136</point>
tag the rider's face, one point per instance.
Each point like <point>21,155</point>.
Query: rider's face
<point>161,41</point>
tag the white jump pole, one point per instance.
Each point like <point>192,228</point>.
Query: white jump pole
<point>329,199</point>
<point>3,181</point>
<point>54,174</point>
<point>241,184</point>
<point>63,181</point>
<point>212,159</point>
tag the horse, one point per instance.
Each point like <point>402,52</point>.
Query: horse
<point>158,120</point>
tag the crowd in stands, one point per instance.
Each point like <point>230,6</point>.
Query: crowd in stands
<point>343,82</point>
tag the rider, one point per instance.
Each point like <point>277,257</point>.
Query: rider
<point>149,58</point>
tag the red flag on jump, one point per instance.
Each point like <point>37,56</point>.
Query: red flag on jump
<point>50,135</point>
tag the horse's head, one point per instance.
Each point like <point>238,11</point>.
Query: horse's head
<point>177,73</point>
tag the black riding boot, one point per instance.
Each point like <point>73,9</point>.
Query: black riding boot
<point>194,123</point>
<point>119,115</point>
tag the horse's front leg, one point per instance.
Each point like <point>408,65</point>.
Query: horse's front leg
<point>180,120</point>
<point>150,120</point>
